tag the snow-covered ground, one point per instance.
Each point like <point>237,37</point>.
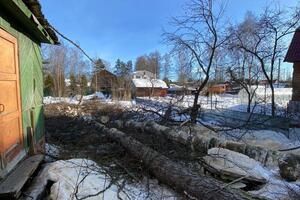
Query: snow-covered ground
<point>223,101</point>
<point>84,179</point>
<point>275,188</point>
<point>159,105</point>
<point>67,174</point>
<point>74,99</point>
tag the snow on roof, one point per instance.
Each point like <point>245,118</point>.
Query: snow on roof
<point>172,85</point>
<point>143,72</point>
<point>146,83</point>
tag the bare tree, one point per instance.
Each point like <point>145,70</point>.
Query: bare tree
<point>154,63</point>
<point>56,57</point>
<point>166,66</point>
<point>244,70</point>
<point>266,41</point>
<point>184,67</point>
<point>201,31</point>
<point>249,85</point>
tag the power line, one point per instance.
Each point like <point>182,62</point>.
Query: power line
<point>72,42</point>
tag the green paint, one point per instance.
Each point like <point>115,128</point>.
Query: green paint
<point>30,64</point>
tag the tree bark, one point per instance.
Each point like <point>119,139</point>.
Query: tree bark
<point>201,143</point>
<point>273,107</point>
<point>174,174</point>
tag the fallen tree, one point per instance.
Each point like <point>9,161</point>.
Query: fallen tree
<point>175,175</point>
<point>201,142</point>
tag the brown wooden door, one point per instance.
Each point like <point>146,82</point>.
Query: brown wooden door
<point>11,137</point>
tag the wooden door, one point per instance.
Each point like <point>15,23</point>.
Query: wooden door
<point>11,137</point>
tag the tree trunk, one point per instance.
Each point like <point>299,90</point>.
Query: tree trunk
<point>174,174</point>
<point>273,101</point>
<point>249,103</point>
<point>195,108</point>
<point>201,143</point>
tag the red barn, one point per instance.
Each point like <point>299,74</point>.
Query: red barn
<point>149,87</point>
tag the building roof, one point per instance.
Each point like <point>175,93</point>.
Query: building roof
<point>106,72</point>
<point>35,7</point>
<point>293,53</point>
<point>173,88</point>
<point>220,85</point>
<point>146,83</point>
<point>143,73</point>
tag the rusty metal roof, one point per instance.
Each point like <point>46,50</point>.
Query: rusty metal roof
<point>35,7</point>
<point>293,54</point>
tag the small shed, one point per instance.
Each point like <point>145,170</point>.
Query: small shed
<point>149,87</point>
<point>104,81</point>
<point>177,90</point>
<point>293,56</point>
<point>219,88</point>
<point>22,30</point>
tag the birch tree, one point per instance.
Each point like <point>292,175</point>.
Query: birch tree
<point>266,42</point>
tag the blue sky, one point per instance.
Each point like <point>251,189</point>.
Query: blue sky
<point>126,29</point>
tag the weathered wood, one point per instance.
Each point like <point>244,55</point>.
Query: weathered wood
<point>11,187</point>
<point>296,82</point>
<point>11,137</point>
<point>174,174</point>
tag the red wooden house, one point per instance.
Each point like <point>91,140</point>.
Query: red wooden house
<point>293,56</point>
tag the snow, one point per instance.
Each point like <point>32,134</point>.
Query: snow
<point>65,172</point>
<point>275,189</point>
<point>147,83</point>
<point>262,94</point>
<point>225,101</point>
<point>100,95</point>
<point>265,138</point>
<point>52,150</point>
<point>233,163</point>
<point>68,82</point>
<point>84,178</point>
<point>74,99</point>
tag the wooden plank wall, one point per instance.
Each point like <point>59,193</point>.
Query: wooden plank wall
<point>31,78</point>
<point>296,82</point>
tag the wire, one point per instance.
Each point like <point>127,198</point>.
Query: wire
<point>72,42</point>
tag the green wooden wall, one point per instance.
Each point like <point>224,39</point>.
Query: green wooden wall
<point>31,77</point>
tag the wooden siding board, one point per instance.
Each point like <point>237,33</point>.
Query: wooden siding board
<point>296,82</point>
<point>21,12</point>
<point>12,186</point>
<point>293,53</point>
<point>30,66</point>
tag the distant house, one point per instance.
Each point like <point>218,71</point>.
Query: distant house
<point>175,89</point>
<point>219,88</point>
<point>143,74</point>
<point>266,82</point>
<point>144,84</point>
<point>104,81</point>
